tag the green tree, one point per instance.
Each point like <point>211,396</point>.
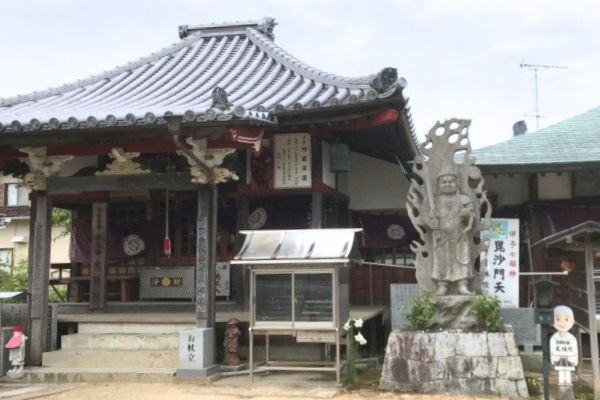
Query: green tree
<point>14,280</point>
<point>62,218</point>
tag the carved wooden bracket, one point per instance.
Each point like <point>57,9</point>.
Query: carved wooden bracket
<point>212,158</point>
<point>123,164</point>
<point>41,166</point>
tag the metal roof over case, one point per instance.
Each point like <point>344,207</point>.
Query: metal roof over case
<point>260,81</point>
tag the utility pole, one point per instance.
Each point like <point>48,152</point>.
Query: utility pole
<point>535,71</point>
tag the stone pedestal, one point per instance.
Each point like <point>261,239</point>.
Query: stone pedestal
<point>197,354</point>
<point>465,363</point>
<point>5,335</point>
<point>565,393</point>
<point>454,312</point>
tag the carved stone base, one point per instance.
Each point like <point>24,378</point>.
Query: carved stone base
<point>464,363</point>
<point>454,312</point>
<point>232,368</point>
<point>16,373</point>
<point>565,393</point>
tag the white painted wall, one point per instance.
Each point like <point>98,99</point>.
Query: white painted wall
<point>20,227</point>
<point>373,184</point>
<point>552,186</point>
<point>510,190</point>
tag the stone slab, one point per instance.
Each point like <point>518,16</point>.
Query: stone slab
<point>111,358</point>
<point>197,353</point>
<point>455,362</point>
<point>400,304</point>
<point>5,335</point>
<point>98,375</point>
<point>527,332</point>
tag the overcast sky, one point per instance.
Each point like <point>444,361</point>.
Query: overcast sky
<point>461,58</point>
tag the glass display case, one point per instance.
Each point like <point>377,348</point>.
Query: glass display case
<point>295,298</point>
<point>299,286</point>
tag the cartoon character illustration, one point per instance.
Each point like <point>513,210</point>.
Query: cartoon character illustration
<point>563,345</point>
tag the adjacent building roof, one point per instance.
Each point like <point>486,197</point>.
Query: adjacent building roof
<point>18,212</point>
<point>259,81</point>
<point>575,233</point>
<point>569,144</point>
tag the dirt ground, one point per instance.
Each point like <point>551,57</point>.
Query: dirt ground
<point>271,388</point>
<point>156,391</point>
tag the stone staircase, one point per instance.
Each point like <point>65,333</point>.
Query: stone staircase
<point>113,352</point>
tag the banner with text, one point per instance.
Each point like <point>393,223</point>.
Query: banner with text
<point>502,276</point>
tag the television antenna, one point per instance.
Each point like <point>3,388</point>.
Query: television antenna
<point>535,69</point>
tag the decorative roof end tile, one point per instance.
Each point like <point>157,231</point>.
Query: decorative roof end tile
<point>385,79</point>
<point>92,121</point>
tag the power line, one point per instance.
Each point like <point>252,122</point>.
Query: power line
<point>535,68</point>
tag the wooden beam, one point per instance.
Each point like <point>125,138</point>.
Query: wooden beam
<point>387,116</point>
<point>39,267</point>
<point>592,321</point>
<point>205,257</point>
<point>317,210</point>
<point>98,258</point>
<point>81,184</point>
<point>240,276</point>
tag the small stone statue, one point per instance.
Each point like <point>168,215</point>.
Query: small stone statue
<point>16,353</point>
<point>232,334</point>
<point>563,345</point>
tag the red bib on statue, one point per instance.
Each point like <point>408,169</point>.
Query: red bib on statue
<point>14,342</point>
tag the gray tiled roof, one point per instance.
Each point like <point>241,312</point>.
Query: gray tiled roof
<point>260,79</point>
<point>572,141</point>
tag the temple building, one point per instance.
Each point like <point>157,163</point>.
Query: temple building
<point>164,160</point>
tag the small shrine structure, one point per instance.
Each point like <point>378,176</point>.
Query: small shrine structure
<point>299,286</point>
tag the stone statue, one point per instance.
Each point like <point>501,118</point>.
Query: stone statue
<point>451,219</point>
<point>451,212</point>
<point>16,353</point>
<point>232,334</point>
<point>563,345</point>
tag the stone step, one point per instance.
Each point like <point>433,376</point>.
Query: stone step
<point>131,328</point>
<point>112,358</point>
<point>115,341</point>
<point>99,375</point>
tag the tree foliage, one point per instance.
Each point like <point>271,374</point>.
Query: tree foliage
<point>486,308</point>
<point>62,218</point>
<point>421,314</point>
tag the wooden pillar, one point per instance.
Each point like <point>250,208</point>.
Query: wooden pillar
<point>593,323</point>
<point>98,258</point>
<point>239,273</point>
<point>206,256</point>
<point>317,210</point>
<point>39,274</point>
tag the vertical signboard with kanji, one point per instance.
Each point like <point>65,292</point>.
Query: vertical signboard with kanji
<point>502,276</point>
<point>292,161</point>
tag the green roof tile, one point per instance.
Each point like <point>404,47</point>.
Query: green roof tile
<point>575,140</point>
